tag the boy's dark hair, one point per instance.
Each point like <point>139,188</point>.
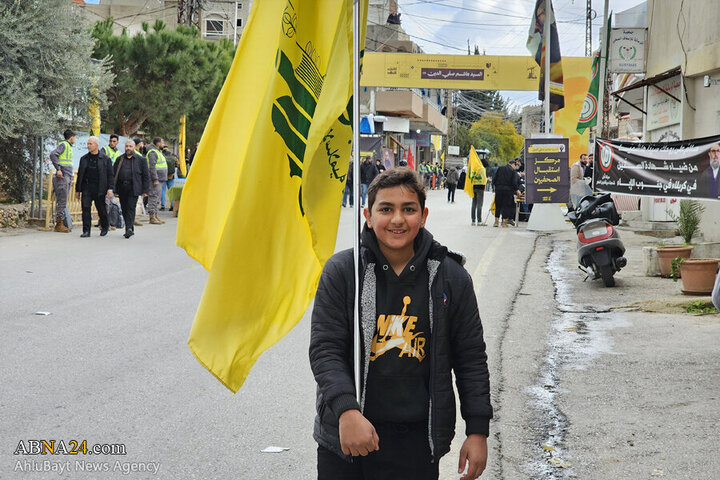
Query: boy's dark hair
<point>112,135</point>
<point>68,134</point>
<point>156,140</point>
<point>393,177</point>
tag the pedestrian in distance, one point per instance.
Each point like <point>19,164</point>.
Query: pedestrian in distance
<point>348,191</point>
<point>132,179</point>
<point>95,183</point>
<point>506,183</point>
<point>478,180</point>
<point>379,165</point>
<point>157,165</point>
<point>419,322</point>
<point>368,172</point>
<point>577,170</point>
<point>61,159</point>
<point>452,180</point>
<point>111,149</point>
<point>171,160</point>
<point>140,150</point>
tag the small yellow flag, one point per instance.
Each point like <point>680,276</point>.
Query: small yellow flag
<point>475,172</point>
<point>261,208</point>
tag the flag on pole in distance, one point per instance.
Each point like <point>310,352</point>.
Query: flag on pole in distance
<point>475,172</point>
<point>536,45</point>
<point>589,113</point>
<point>261,209</point>
<point>411,160</point>
<point>181,147</point>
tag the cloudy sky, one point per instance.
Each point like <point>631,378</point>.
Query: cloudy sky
<point>498,27</point>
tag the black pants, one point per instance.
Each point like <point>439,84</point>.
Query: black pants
<point>451,192</point>
<point>128,202</point>
<point>477,202</point>
<point>504,204</point>
<point>86,202</point>
<point>404,455</point>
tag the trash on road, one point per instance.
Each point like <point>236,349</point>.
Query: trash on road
<point>272,449</point>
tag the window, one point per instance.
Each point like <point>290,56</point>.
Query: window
<point>239,6</point>
<point>239,22</point>
<point>214,27</point>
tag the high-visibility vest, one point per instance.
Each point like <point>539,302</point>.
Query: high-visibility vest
<point>161,162</point>
<point>111,153</point>
<point>66,157</point>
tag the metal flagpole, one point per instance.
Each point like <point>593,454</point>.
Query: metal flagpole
<point>546,32</point>
<point>603,73</point>
<point>356,192</point>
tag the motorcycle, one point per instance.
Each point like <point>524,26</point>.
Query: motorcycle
<point>600,250</point>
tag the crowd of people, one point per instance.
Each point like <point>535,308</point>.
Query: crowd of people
<point>113,181</point>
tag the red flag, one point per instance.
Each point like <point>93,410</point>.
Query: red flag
<point>411,160</point>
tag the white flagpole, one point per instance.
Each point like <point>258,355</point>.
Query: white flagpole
<point>356,191</point>
<point>546,31</point>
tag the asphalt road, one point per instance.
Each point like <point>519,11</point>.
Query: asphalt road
<point>110,365</point>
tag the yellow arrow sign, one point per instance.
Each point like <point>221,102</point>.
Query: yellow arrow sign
<point>551,189</point>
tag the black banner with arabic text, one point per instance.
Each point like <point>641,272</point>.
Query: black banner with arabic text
<point>686,168</point>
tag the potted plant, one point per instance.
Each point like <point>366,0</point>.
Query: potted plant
<point>688,226</point>
<point>698,274</point>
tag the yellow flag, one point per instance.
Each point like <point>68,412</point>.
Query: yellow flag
<point>261,209</point>
<point>181,147</point>
<point>475,172</point>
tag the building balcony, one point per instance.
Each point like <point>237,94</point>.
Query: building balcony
<point>399,103</point>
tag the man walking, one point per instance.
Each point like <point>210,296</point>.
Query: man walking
<point>368,172</point>
<point>132,179</point>
<point>157,165</point>
<point>477,178</point>
<point>61,159</point>
<point>452,181</point>
<point>506,182</point>
<point>95,182</point>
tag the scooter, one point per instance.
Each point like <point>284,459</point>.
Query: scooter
<point>600,250</point>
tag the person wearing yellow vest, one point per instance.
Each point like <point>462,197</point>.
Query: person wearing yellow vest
<point>61,159</point>
<point>111,148</point>
<point>475,184</point>
<point>158,175</point>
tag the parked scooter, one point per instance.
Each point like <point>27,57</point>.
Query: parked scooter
<point>600,250</point>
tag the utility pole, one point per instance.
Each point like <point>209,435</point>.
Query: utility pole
<point>588,29</point>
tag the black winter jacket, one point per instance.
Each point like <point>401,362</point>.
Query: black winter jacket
<point>456,344</point>
<point>105,171</point>
<point>140,173</point>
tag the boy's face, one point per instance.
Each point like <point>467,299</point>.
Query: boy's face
<point>396,218</point>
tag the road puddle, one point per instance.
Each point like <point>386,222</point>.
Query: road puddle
<point>578,335</point>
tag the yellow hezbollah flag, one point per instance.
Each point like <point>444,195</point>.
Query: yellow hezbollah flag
<point>261,209</point>
<point>181,147</point>
<point>475,172</point>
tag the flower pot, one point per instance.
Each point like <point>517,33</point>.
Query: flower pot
<point>666,255</point>
<point>698,275</point>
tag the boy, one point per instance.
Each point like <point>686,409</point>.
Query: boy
<point>418,321</point>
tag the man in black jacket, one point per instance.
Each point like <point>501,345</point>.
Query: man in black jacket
<point>368,172</point>
<point>132,179</point>
<point>506,183</point>
<point>95,182</point>
<point>419,323</point>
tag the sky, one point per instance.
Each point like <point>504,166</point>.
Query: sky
<point>498,27</point>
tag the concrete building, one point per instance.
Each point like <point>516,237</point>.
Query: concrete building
<point>216,19</point>
<point>682,74</point>
<point>412,115</point>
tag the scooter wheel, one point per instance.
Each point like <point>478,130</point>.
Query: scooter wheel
<point>607,273</point>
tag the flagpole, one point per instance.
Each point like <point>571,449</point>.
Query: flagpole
<point>603,73</point>
<point>546,32</point>
<point>356,193</point>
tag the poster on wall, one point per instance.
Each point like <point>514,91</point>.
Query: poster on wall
<point>547,174</point>
<point>627,50</point>
<point>687,168</point>
<point>371,147</point>
<point>663,105</point>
